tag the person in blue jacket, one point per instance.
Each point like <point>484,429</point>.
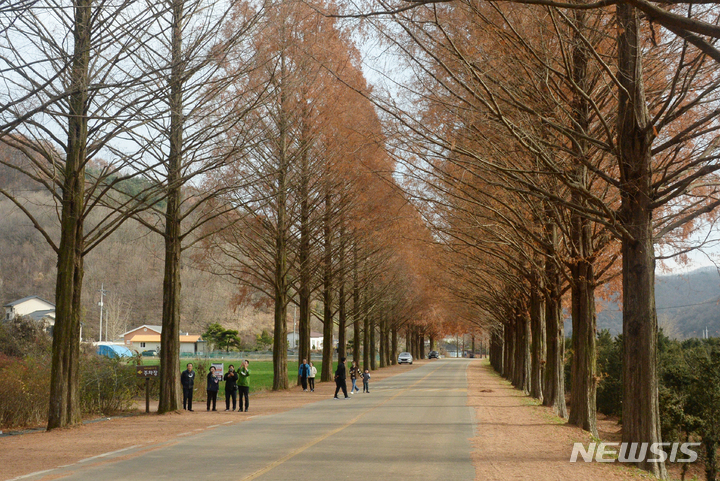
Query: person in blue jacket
<point>304,373</point>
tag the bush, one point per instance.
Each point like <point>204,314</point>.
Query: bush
<point>609,373</point>
<point>24,337</point>
<point>24,391</point>
<point>107,386</point>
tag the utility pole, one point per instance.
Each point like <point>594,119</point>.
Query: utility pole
<point>101,304</point>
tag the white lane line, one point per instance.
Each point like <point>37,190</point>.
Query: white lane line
<point>37,473</point>
<point>184,434</point>
<point>108,454</point>
<point>229,422</point>
<point>213,426</point>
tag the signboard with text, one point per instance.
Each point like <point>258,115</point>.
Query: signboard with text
<point>148,371</point>
<point>218,370</point>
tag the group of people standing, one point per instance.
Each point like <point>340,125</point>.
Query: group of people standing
<point>307,373</point>
<point>235,381</point>
<point>239,381</point>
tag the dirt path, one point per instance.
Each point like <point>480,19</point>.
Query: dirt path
<point>34,452</point>
<point>516,439</point>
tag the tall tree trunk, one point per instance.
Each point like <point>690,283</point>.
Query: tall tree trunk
<point>382,343</point>
<point>327,355</point>
<point>582,398</point>
<point>537,325</point>
<point>522,377</point>
<point>373,350</point>
<point>356,308</point>
<point>342,308</point>
<point>509,352</point>
<point>64,405</point>
<point>583,410</point>
<point>170,336</point>
<point>280,374</point>
<point>394,353</point>
<point>641,412</point>
<point>366,332</point>
<point>305,275</point>
<point>554,388</point>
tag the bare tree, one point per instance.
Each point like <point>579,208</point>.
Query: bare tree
<point>201,62</point>
<point>67,104</point>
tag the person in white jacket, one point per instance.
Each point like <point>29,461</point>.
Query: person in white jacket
<point>311,377</point>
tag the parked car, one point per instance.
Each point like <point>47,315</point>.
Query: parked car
<point>434,355</point>
<point>405,357</point>
<point>150,353</point>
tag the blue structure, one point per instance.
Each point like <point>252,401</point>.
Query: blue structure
<point>114,351</point>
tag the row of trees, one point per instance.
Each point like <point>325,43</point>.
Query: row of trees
<point>239,133</point>
<point>546,143</point>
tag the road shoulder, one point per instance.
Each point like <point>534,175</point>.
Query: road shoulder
<point>515,438</point>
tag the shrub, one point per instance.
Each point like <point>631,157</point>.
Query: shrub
<point>107,386</point>
<point>609,373</point>
<point>24,337</point>
<point>24,391</point>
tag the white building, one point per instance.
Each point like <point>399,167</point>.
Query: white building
<point>34,307</point>
<point>146,338</point>
<point>316,340</point>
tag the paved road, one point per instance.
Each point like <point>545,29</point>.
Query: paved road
<point>413,426</point>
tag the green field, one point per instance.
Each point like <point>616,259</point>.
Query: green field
<point>261,372</point>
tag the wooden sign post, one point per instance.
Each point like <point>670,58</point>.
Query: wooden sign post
<point>147,372</point>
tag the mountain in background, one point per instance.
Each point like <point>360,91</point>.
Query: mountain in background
<point>686,304</point>
<point>128,264</point>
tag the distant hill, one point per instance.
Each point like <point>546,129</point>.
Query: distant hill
<point>129,264</point>
<point>686,304</point>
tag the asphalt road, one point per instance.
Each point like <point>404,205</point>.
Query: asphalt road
<point>412,426</point>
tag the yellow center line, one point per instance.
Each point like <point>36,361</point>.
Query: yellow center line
<point>300,450</point>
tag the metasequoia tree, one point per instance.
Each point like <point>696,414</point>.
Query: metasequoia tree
<point>646,179</point>
<point>202,65</point>
<point>73,89</point>
<point>289,185</point>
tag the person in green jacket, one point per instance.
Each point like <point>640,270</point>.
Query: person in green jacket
<point>244,384</point>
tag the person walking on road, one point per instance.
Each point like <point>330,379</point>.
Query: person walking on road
<point>213,386</point>
<point>366,381</point>
<point>311,377</point>
<point>187,379</point>
<point>231,388</point>
<point>340,376</point>
<point>244,385</point>
<point>354,372</point>
<point>304,373</point>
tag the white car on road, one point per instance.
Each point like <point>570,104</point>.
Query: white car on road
<point>405,357</point>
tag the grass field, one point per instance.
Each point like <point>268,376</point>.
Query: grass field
<point>261,372</point>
